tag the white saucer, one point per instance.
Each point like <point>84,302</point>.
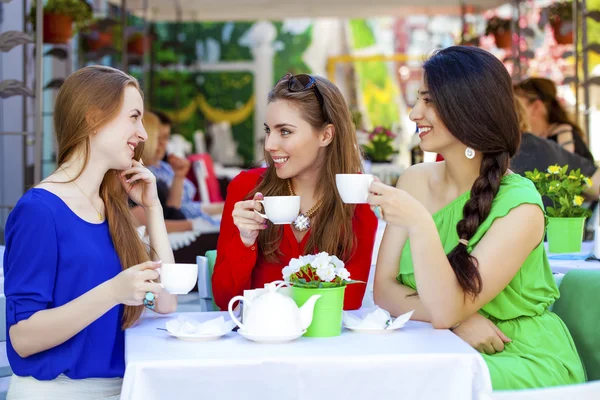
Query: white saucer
<point>270,339</point>
<point>198,338</point>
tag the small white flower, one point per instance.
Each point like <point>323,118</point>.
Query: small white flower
<point>337,262</point>
<point>343,273</point>
<point>308,259</point>
<point>287,272</point>
<point>296,264</point>
<point>322,260</point>
<point>326,274</point>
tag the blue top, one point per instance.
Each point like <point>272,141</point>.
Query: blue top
<point>52,257</point>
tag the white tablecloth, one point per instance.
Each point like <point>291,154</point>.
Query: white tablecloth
<point>416,362</point>
<point>562,266</point>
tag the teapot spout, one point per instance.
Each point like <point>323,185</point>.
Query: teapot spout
<point>306,311</point>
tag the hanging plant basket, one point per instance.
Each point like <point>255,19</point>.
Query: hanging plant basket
<point>136,45</point>
<point>58,29</point>
<point>563,32</point>
<point>503,39</point>
<point>99,40</point>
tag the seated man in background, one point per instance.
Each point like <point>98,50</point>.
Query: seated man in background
<point>173,170</point>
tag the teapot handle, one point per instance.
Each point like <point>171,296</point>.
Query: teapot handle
<point>230,308</point>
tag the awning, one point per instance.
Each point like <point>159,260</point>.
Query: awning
<point>251,10</point>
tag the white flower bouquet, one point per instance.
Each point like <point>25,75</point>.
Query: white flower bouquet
<point>317,271</point>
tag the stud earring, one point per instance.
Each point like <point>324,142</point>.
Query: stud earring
<point>469,153</point>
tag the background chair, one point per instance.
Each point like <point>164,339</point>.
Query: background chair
<point>206,265</point>
<point>579,308</point>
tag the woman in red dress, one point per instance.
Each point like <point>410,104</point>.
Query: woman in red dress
<point>309,139</point>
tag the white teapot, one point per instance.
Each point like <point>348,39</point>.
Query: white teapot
<point>273,314</point>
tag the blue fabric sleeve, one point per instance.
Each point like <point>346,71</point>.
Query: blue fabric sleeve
<point>30,261</point>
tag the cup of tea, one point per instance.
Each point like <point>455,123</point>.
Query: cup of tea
<point>178,278</point>
<point>353,188</point>
<point>280,210</point>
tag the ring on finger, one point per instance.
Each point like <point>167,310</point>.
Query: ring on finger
<point>150,300</point>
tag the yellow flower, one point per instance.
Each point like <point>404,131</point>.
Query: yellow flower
<point>554,169</point>
<point>572,177</point>
<point>588,182</point>
<point>578,201</point>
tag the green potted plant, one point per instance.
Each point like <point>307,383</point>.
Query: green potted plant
<point>566,217</point>
<point>324,275</point>
<point>560,17</point>
<point>380,147</point>
<point>59,18</point>
<point>500,28</point>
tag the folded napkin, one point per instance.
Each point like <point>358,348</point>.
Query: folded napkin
<point>185,326</point>
<point>375,319</point>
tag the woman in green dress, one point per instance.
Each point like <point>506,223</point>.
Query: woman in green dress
<point>463,245</point>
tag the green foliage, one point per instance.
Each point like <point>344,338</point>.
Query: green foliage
<point>290,57</point>
<point>77,9</point>
<point>362,34</point>
<point>563,189</point>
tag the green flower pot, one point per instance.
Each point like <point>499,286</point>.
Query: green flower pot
<point>327,315</point>
<point>565,234</point>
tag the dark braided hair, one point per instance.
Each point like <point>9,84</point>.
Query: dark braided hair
<point>473,95</point>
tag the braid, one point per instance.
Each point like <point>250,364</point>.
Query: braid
<point>475,211</point>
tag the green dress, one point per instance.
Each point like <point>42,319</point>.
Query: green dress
<point>542,352</point>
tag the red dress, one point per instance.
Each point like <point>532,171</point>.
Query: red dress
<point>239,267</point>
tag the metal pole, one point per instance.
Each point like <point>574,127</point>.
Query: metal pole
<point>124,65</point>
<point>24,120</point>
<point>576,39</point>
<point>586,87</point>
<point>463,20</point>
<point>39,95</point>
<point>147,50</point>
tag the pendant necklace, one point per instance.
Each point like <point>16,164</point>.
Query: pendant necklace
<point>302,222</point>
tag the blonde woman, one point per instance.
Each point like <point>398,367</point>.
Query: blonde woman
<point>76,272</point>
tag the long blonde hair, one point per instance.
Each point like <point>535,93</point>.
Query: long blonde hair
<point>100,90</point>
<point>332,231</point>
<point>152,125</point>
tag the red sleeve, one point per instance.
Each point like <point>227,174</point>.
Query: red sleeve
<point>235,262</point>
<point>359,265</point>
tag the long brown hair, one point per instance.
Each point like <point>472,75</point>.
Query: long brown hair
<point>545,90</point>
<point>152,125</point>
<point>331,229</point>
<point>99,90</point>
<point>473,96</point>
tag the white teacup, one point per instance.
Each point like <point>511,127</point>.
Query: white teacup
<point>353,188</point>
<point>280,210</point>
<point>178,278</point>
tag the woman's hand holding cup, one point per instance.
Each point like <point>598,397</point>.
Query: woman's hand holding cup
<point>131,285</point>
<point>247,220</point>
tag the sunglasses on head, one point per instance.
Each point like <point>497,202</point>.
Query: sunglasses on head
<point>302,82</point>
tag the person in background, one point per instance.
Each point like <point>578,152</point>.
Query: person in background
<point>172,170</point>
<point>455,247</point>
<point>535,152</point>
<point>175,220</point>
<point>310,138</point>
<point>76,272</point>
<point>547,117</point>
